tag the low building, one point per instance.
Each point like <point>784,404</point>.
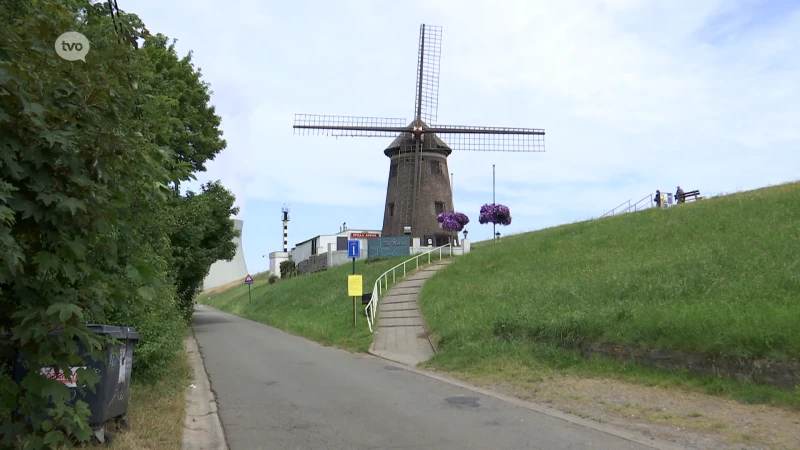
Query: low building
<point>330,250</point>
<point>333,242</point>
<point>313,254</point>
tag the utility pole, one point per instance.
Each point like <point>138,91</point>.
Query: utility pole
<point>494,232</point>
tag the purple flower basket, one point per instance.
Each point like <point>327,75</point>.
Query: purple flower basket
<point>495,213</point>
<point>453,221</point>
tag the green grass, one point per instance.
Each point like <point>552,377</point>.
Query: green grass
<point>719,276</point>
<point>314,306</point>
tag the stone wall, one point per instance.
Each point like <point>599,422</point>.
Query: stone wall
<point>339,258</point>
<point>313,264</point>
<point>783,375</point>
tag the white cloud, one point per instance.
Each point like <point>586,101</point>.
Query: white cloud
<point>634,95</point>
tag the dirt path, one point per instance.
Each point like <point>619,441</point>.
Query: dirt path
<point>693,420</point>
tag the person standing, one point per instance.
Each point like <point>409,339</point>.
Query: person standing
<point>658,198</point>
<point>679,195</point>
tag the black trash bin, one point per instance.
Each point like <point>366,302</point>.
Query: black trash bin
<point>112,392</point>
<point>365,298</point>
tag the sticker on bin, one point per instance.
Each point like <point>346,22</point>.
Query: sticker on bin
<point>122,366</point>
<point>71,381</point>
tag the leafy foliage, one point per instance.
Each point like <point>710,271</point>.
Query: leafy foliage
<point>288,269</point>
<point>202,234</point>
<point>178,107</point>
<point>90,230</point>
<point>272,278</point>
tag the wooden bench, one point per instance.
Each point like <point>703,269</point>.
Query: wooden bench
<point>694,194</point>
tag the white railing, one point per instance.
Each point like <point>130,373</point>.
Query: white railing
<point>630,206</point>
<point>382,283</point>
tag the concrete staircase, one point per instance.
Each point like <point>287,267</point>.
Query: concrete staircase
<point>401,335</point>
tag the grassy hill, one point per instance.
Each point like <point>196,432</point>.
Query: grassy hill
<point>717,277</point>
<point>720,276</point>
<point>314,306</point>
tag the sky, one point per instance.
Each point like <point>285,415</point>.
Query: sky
<point>634,96</point>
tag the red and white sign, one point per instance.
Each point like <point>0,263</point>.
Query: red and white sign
<point>71,381</point>
<point>364,235</point>
<point>248,279</point>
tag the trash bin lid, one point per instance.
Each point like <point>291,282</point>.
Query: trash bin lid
<point>115,331</point>
<point>112,331</point>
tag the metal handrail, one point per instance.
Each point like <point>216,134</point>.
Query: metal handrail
<point>630,206</point>
<point>382,283</point>
<point>626,202</point>
<point>635,206</point>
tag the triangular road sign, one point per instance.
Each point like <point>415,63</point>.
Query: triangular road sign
<point>248,279</point>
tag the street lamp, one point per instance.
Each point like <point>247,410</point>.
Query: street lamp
<point>497,235</point>
<point>465,233</point>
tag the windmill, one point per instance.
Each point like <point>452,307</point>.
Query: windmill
<point>419,187</point>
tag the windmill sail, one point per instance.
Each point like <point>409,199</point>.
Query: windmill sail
<point>419,186</point>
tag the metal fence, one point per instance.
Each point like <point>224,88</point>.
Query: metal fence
<point>630,206</point>
<point>382,283</point>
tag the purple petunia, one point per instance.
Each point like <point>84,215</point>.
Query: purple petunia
<point>495,213</point>
<point>461,218</point>
<point>453,221</point>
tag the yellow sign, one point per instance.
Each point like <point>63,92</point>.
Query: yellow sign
<point>354,286</point>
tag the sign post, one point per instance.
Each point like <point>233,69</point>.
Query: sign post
<point>354,251</point>
<point>354,282</point>
<point>354,289</point>
<point>248,280</point>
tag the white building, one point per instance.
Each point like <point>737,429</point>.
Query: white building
<point>223,272</point>
<point>320,245</point>
<point>335,242</point>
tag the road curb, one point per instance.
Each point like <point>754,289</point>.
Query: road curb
<point>547,410</point>
<point>202,429</point>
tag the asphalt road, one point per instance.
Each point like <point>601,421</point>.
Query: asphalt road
<point>278,391</point>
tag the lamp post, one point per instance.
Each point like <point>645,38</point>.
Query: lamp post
<point>452,195</point>
<point>465,233</point>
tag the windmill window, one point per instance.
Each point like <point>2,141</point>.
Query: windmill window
<point>439,207</point>
<point>391,209</point>
<point>436,168</point>
<point>393,170</point>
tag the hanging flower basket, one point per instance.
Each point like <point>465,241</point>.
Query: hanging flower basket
<point>452,221</point>
<point>495,213</point>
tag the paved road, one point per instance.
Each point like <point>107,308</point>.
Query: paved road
<point>277,391</point>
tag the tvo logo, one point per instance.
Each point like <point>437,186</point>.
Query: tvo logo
<point>72,46</point>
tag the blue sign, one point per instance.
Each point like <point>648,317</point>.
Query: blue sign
<point>353,248</point>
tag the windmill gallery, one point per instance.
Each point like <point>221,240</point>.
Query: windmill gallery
<point>419,188</point>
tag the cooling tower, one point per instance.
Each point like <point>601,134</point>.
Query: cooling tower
<point>223,272</point>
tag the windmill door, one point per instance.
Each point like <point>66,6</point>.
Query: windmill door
<point>442,240</point>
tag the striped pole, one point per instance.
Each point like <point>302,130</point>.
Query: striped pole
<point>285,230</point>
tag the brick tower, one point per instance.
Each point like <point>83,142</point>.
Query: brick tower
<point>434,193</point>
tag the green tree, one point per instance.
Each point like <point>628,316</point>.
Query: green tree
<point>90,230</point>
<point>74,165</point>
<point>202,234</point>
<point>288,269</point>
<point>179,107</point>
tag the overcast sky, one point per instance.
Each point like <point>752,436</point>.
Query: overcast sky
<point>634,96</point>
